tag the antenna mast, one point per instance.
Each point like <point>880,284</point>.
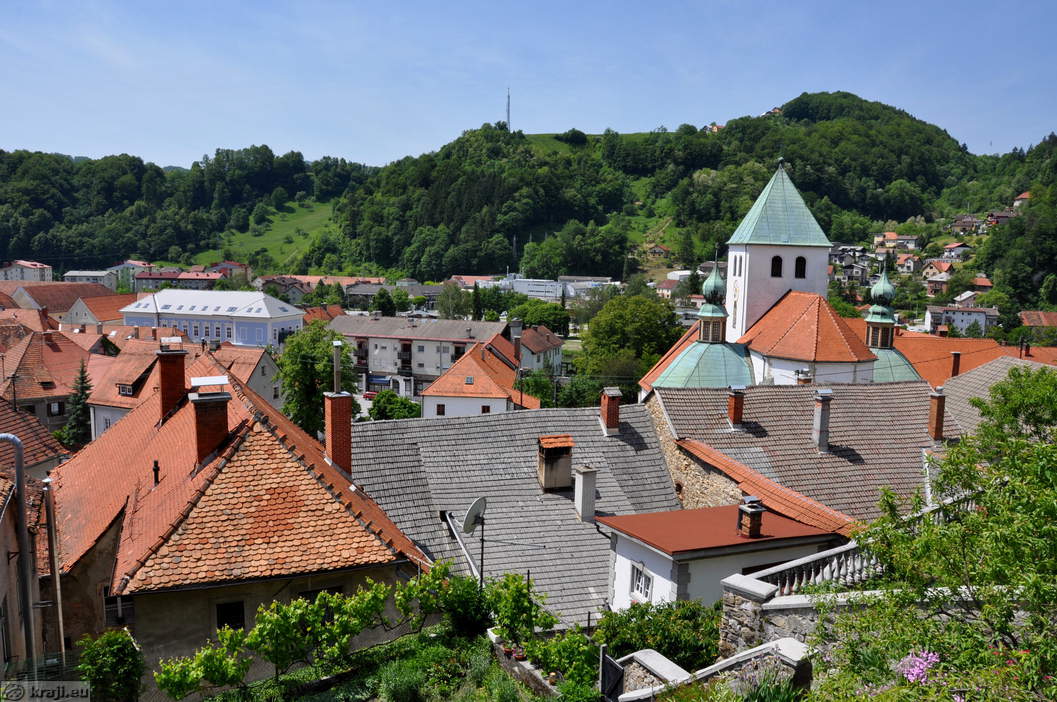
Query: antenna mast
<point>508,108</point>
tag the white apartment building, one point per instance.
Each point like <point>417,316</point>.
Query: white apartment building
<point>25,270</point>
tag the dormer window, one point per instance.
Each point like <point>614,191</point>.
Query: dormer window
<point>123,389</point>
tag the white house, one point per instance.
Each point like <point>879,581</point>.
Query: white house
<point>685,554</point>
<point>960,318</point>
<point>107,277</point>
<point>481,382</point>
<point>241,317</point>
<point>956,251</point>
<point>25,270</point>
<point>541,349</point>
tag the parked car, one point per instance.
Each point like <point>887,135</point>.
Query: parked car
<point>370,395</point>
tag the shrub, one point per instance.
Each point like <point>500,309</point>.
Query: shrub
<point>215,666</point>
<point>578,692</point>
<point>112,665</point>
<point>573,137</point>
<point>466,606</point>
<point>571,653</point>
<point>687,632</point>
<point>401,681</point>
<point>501,688</point>
<point>517,607</point>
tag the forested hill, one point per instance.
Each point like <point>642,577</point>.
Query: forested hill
<point>492,199</point>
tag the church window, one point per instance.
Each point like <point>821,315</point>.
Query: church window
<point>776,267</point>
<point>800,270</point>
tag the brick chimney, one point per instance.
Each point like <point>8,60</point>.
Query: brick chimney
<point>735,405</point>
<point>584,493</point>
<point>337,410</point>
<point>750,517</point>
<point>803,377</point>
<point>937,402</point>
<point>135,332</point>
<point>610,410</point>
<point>211,422</point>
<point>820,427</point>
<point>956,363</point>
<point>170,378</point>
<point>98,327</point>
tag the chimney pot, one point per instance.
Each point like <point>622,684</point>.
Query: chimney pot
<point>584,493</point>
<point>736,405</point>
<point>803,377</point>
<point>610,410</point>
<point>956,363</point>
<point>750,517</point>
<point>937,403</point>
<point>98,327</point>
<point>338,427</point>
<point>211,422</point>
<point>555,461</point>
<point>170,378</point>
<point>820,427</point>
<point>515,336</point>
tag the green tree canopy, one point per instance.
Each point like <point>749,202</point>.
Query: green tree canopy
<point>453,303</point>
<point>383,302</point>
<point>536,312</point>
<point>306,371</point>
<point>627,336</point>
<point>388,405</point>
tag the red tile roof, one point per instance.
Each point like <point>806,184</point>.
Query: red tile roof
<point>58,297</point>
<point>269,505</point>
<point>904,257</point>
<point>804,327</point>
<point>33,320</point>
<point>38,445</point>
<point>44,365</point>
<point>107,308</point>
<point>686,530</point>
<point>325,313</point>
<point>540,339</point>
<point>942,266</point>
<point>1038,318</point>
<point>781,499</point>
<point>1026,195</point>
<point>667,284</point>
<point>491,376</point>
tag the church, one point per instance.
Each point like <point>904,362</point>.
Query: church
<point>769,323</point>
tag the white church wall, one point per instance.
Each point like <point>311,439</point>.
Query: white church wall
<point>782,371</point>
<point>752,290</point>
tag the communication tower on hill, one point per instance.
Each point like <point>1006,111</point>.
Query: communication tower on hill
<point>508,109</point>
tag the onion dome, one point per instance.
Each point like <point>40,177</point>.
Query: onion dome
<point>883,292</point>
<point>714,288</point>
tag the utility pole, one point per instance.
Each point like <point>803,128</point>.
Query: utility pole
<point>508,109</point>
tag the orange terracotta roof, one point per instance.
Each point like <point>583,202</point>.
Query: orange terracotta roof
<point>240,361</point>
<point>685,530</point>
<point>326,313</point>
<point>38,445</point>
<point>904,257</point>
<point>32,320</point>
<point>942,266</point>
<point>1026,195</point>
<point>557,441</point>
<point>804,327</point>
<point>982,283</point>
<point>107,308</point>
<point>44,365</point>
<point>1038,318</point>
<point>781,499</point>
<point>58,297</point>
<point>121,335</point>
<point>539,339</point>
<point>269,505</point>
<point>481,372</point>
<point>647,381</point>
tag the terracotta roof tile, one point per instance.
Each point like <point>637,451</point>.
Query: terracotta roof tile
<point>248,513</point>
<point>107,308</point>
<point>44,364</point>
<point>482,372</point>
<point>58,297</point>
<point>557,441</point>
<point>540,339</point>
<point>804,327</point>
<point>38,445</point>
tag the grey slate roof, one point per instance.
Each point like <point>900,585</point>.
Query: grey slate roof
<point>406,328</point>
<point>877,436</point>
<point>977,383</point>
<point>418,468</point>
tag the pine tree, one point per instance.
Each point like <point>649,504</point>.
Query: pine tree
<point>78,429</point>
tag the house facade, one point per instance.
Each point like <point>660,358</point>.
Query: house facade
<point>960,318</point>
<point>481,381</point>
<point>406,354</point>
<point>239,317</point>
<point>541,349</point>
<point>25,270</point>
<point>107,277</point>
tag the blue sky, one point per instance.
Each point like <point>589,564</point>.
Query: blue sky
<point>373,82</point>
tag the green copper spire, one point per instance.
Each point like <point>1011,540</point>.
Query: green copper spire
<point>714,289</point>
<point>779,217</point>
<point>883,292</point>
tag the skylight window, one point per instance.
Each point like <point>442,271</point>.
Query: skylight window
<point>165,307</point>
<point>190,308</point>
<point>469,380</point>
<point>232,309</point>
<point>179,307</point>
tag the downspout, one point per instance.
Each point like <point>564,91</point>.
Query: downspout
<point>53,552</point>
<point>24,552</point>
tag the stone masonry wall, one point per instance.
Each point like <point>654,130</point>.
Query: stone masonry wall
<point>697,484</point>
<point>741,626</point>
<point>637,676</point>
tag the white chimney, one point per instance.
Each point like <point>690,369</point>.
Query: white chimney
<point>584,493</point>
<point>820,428</point>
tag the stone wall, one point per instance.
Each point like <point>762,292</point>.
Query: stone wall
<point>742,624</point>
<point>696,483</point>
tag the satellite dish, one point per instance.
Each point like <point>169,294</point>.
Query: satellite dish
<point>474,515</point>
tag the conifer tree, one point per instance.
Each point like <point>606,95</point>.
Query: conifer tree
<point>78,429</point>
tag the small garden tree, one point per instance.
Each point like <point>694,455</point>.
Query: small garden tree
<point>112,665</point>
<point>78,429</point>
<point>388,405</point>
